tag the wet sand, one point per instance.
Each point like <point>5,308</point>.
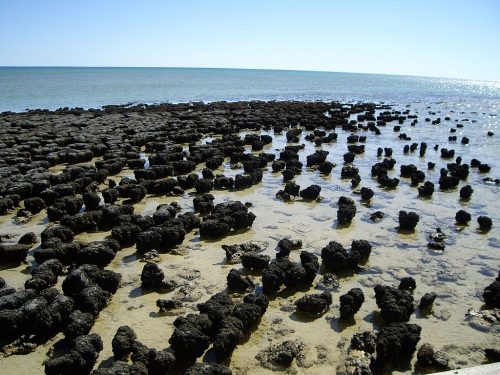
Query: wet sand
<point>457,275</point>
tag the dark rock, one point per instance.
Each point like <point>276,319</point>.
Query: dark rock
<point>160,362</point>
<point>234,252</point>
<point>407,283</point>
<point>484,168</point>
<point>314,304</point>
<point>208,369</point>
<point>397,342</point>
<point>91,200</point>
<point>257,299</point>
<point>377,216</point>
<point>248,313</point>
<point>433,245</point>
<point>140,353</point>
<point>168,304</point>
<point>34,205</point>
<point>188,342</point>
<point>254,261</point>
<point>163,213</point>
<point>59,231</point>
<point>214,228</point>
<point>426,190</point>
<point>75,282</point>
<point>492,354</point>
<point>79,360</point>
<point>99,253</point>
<point>203,185</point>
<point>29,238</point>
<point>356,180</point>
<point>429,359</point>
<point>427,300</point>
<point>351,302</point>
<point>326,167</point>
<point>274,275</point>
<point>349,157</point>
<point>491,293</point>
<point>287,245</point>
<point>12,322</point>
<point>217,307</point>
<point>408,170</point>
<point>13,253</point>
<point>88,275</point>
<point>346,211</point>
<point>395,305</point>
<point>360,250</point>
<point>364,341</point>
<point>466,192</point>
<point>152,277</point>
<point>282,354</point>
<point>292,188</point>
<point>201,322</point>
<point>448,182</point>
<point>317,158</point>
<point>295,276</point>
<point>45,275</point>
<point>349,171</point>
<point>278,165</point>
<point>79,323</point>
<point>408,220</point>
<point>110,195</point>
<point>366,194</point>
<point>236,281</point>
<point>336,258</point>
<point>484,222</point>
<point>228,336</point>
<point>462,217</point>
<point>311,192</point>
<point>92,300</point>
<point>122,368</point>
<point>310,263</point>
<point>122,342</point>
<point>126,234</point>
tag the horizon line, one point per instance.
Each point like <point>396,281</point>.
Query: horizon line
<point>233,68</point>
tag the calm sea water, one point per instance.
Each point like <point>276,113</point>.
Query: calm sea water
<point>52,88</point>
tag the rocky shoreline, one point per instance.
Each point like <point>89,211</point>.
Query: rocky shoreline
<point>116,222</point>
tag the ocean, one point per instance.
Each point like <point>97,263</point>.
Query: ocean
<point>24,88</point>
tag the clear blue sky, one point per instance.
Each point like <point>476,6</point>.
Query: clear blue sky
<point>444,38</point>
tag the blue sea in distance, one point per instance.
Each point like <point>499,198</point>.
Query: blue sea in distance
<point>54,87</point>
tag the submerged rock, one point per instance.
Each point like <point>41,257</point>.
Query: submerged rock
<point>280,355</point>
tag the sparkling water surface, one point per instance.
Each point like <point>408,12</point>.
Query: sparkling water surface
<point>55,87</point>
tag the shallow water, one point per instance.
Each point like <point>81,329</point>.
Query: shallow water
<point>458,275</point>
